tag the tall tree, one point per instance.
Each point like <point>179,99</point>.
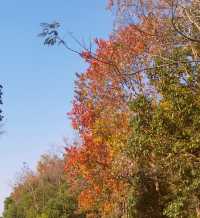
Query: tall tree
<point>136,109</point>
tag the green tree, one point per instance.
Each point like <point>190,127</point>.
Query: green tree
<point>165,143</point>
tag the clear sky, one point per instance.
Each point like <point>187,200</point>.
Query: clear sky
<point>38,81</point>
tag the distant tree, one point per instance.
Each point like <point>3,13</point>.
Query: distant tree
<point>1,116</point>
<point>42,194</point>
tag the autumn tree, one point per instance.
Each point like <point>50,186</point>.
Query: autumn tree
<point>160,124</point>
<point>136,110</point>
<point>42,194</point>
<point>158,75</point>
<point>101,116</point>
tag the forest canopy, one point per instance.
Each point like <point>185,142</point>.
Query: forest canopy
<point>136,109</point>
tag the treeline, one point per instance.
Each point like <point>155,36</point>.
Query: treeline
<point>42,194</point>
<point>137,112</point>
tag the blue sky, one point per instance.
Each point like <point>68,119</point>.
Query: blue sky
<point>37,80</point>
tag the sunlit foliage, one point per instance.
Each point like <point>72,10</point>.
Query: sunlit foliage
<point>42,194</point>
<point>136,110</point>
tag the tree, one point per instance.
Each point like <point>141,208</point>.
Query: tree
<point>43,194</point>
<point>170,120</point>
<point>1,117</point>
<point>101,116</point>
<point>136,110</point>
<point>162,106</point>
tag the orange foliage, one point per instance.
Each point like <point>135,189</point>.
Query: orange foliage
<point>100,114</point>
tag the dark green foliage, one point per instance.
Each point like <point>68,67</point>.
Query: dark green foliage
<point>1,116</point>
<point>166,142</point>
